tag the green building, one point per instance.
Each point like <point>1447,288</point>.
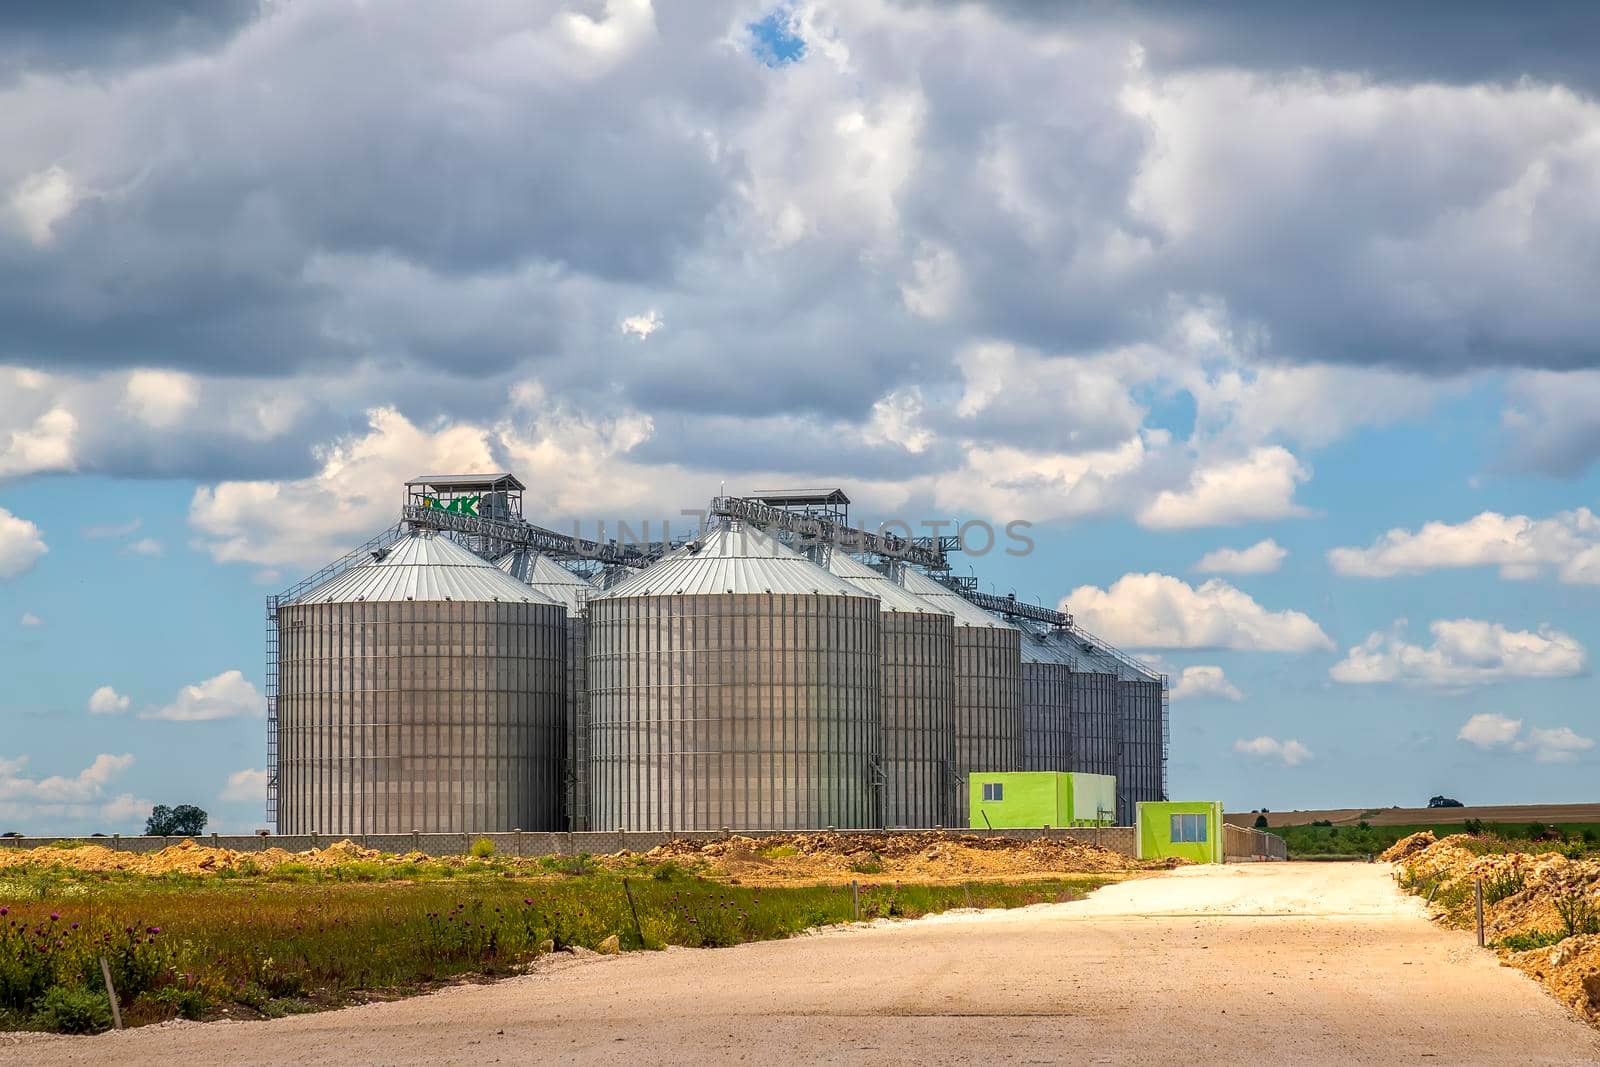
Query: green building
<point>1189,829</point>
<point>1016,799</point>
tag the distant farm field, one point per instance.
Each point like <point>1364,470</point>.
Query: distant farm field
<point>1419,817</point>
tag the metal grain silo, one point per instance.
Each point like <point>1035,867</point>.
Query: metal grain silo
<point>1141,703</point>
<point>988,685</point>
<point>545,575</point>
<point>421,690</point>
<point>918,676</point>
<point>1096,725</point>
<point>735,684</point>
<point>1046,706</point>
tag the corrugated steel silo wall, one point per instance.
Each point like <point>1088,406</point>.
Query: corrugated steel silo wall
<point>751,711</point>
<point>1046,717</point>
<point>427,715</point>
<point>1139,770</point>
<point>919,731</point>
<point>988,704</point>
<point>1096,724</point>
<point>577,751</point>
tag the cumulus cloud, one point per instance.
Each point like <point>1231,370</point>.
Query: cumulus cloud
<point>1263,557</point>
<point>1204,681</point>
<point>1160,611</point>
<point>21,545</point>
<point>58,799</point>
<point>1257,487</point>
<point>29,619</point>
<point>1464,652</point>
<point>1567,543</point>
<point>245,787</point>
<point>1289,752</point>
<point>227,696</point>
<point>113,529</point>
<point>642,326</point>
<point>160,398</point>
<point>1549,420</point>
<point>1491,731</point>
<point>145,546</point>
<point>107,701</point>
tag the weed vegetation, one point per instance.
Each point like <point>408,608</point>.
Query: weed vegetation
<point>245,944</point>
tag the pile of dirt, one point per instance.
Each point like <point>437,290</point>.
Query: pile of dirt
<point>1528,898</point>
<point>1406,846</point>
<point>931,856</point>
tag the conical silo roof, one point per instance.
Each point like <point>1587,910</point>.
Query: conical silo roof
<point>891,597</point>
<point>423,566</point>
<point>966,612</point>
<point>733,558</point>
<point>544,574</point>
<point>1036,648</point>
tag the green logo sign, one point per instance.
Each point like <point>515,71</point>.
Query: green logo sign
<point>461,505</point>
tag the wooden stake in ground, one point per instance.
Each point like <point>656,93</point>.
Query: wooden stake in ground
<point>111,991</point>
<point>634,910</point>
<point>1479,895</point>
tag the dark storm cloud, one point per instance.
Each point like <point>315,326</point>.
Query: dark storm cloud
<point>110,35</point>
<point>1460,43</point>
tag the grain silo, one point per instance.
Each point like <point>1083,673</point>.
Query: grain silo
<point>918,676</point>
<point>1096,725</point>
<point>1142,706</point>
<point>420,690</point>
<point>1046,706</point>
<point>546,576</point>
<point>734,684</point>
<point>988,684</point>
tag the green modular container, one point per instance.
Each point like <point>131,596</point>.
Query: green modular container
<point>1034,799</point>
<point>1189,829</point>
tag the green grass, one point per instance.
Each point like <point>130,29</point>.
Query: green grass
<point>300,940</point>
<point>1356,840</point>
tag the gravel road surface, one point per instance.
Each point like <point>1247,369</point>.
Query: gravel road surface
<point>1267,963</point>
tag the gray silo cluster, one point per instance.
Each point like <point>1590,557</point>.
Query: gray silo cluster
<point>918,675</point>
<point>734,684</point>
<point>421,690</point>
<point>544,575</point>
<point>988,712</point>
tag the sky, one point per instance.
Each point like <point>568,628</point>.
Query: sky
<point>1277,324</point>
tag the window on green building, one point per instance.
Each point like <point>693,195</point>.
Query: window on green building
<point>1188,829</point>
<point>994,791</point>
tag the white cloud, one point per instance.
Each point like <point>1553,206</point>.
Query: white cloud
<point>59,799</point>
<point>1521,547</point>
<point>107,701</point>
<point>45,445</point>
<point>1160,611</point>
<point>227,696</point>
<point>117,529</point>
<point>1490,731</point>
<point>1289,752</point>
<point>30,619</point>
<point>1257,487</point>
<point>145,546</point>
<point>160,398</point>
<point>1263,557</point>
<point>21,545</point>
<point>41,200</point>
<point>1205,681</point>
<point>245,787</point>
<point>1464,652</point>
<point>642,326</point>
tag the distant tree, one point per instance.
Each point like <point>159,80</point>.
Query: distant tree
<point>1261,822</point>
<point>1445,802</point>
<point>185,820</point>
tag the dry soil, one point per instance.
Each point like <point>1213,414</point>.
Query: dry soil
<point>1279,963</point>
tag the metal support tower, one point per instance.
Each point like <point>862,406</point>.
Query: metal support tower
<point>817,529</point>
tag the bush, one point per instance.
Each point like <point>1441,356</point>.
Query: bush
<point>1506,883</point>
<point>482,848</point>
<point>1261,822</point>
<point>64,1010</point>
<point>1531,940</point>
<point>1578,912</point>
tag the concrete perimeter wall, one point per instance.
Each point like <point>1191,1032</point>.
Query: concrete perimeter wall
<point>1116,838</point>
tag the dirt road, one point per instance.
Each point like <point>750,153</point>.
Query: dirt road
<point>1282,963</point>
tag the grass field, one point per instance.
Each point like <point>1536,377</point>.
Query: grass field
<point>1358,840</point>
<point>252,946</point>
